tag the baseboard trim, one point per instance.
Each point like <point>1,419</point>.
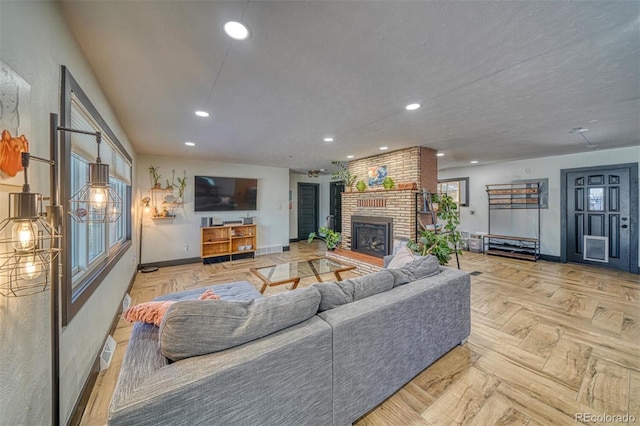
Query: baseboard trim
<point>176,262</point>
<point>85,394</point>
<point>286,248</point>
<point>550,258</point>
<point>294,240</point>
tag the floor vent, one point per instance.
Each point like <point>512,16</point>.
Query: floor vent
<point>269,249</point>
<point>107,353</point>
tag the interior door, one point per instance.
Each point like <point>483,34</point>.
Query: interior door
<point>307,209</point>
<point>335,204</point>
<point>598,208</point>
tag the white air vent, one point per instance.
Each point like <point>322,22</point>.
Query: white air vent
<point>269,249</point>
<point>126,302</point>
<point>107,353</point>
<point>596,249</point>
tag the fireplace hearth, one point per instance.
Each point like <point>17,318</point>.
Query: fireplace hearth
<point>372,235</point>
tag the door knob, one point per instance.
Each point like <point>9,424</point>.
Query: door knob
<point>624,218</point>
<point>624,226</point>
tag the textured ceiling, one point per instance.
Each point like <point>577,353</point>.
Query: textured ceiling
<point>498,81</point>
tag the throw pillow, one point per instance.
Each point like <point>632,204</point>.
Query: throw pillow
<point>193,328</point>
<point>401,258</point>
<point>152,312</point>
<point>149,312</point>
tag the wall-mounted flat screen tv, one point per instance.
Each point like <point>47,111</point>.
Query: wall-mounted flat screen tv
<point>220,194</point>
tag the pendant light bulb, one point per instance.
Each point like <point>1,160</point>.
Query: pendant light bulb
<point>22,235</point>
<point>30,267</point>
<point>98,197</point>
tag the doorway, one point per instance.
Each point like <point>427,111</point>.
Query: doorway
<point>308,202</point>
<point>335,205</point>
<point>600,216</point>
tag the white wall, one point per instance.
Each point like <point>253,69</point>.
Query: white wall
<point>164,240</point>
<point>547,167</point>
<point>325,182</point>
<point>35,41</point>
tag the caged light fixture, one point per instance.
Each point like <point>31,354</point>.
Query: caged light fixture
<point>96,201</point>
<point>33,243</point>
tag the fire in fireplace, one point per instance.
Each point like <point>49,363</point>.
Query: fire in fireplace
<point>372,235</point>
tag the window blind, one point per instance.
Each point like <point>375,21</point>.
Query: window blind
<point>86,146</point>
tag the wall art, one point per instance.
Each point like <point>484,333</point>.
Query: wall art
<point>14,120</point>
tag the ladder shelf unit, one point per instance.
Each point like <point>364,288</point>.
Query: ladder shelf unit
<point>513,196</point>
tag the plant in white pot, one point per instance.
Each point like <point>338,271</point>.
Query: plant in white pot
<point>343,174</point>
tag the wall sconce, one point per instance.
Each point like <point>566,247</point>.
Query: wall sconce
<point>27,253</point>
<point>96,201</point>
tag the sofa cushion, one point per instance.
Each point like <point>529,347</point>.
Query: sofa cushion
<point>192,328</point>
<point>331,295</point>
<point>421,267</point>
<point>336,294</point>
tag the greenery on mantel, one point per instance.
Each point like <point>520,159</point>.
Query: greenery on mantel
<point>343,174</point>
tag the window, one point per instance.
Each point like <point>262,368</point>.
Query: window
<point>90,249</point>
<point>456,188</point>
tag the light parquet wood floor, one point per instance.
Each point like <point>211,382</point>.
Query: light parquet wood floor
<point>548,341</point>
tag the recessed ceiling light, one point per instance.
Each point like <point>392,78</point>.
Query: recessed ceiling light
<point>440,154</point>
<point>236,30</point>
<point>190,144</point>
<point>349,156</point>
<point>474,161</point>
<point>202,113</point>
<point>384,148</point>
<point>328,139</point>
<point>412,107</point>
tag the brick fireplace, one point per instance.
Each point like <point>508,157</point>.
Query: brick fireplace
<point>417,165</point>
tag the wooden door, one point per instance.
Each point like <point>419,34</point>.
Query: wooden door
<point>599,219</point>
<point>308,201</point>
<point>335,204</point>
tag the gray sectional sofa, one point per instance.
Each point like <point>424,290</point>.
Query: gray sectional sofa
<point>329,369</point>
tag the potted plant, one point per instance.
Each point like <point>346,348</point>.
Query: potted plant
<point>361,186</point>
<point>344,175</point>
<point>155,177</point>
<point>182,184</point>
<point>440,243</point>
<point>388,183</point>
<point>330,237</point>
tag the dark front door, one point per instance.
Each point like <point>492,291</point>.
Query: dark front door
<point>599,219</point>
<point>307,209</point>
<point>335,204</point>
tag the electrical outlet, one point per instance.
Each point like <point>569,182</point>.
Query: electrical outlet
<point>186,246</point>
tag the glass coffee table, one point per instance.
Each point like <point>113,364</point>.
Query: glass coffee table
<point>293,272</point>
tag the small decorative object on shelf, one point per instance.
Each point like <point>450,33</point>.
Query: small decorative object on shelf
<point>182,184</point>
<point>155,177</point>
<point>361,186</point>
